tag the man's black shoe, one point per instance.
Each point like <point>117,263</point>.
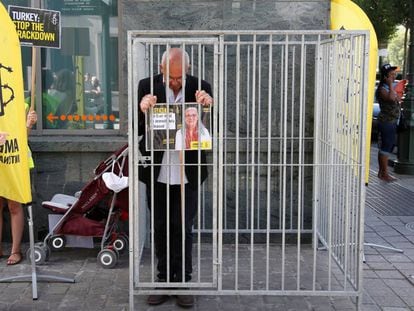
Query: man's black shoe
<point>157,299</point>
<point>185,301</point>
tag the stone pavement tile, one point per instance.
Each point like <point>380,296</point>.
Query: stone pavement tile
<point>96,300</point>
<point>391,220</point>
<point>226,305</point>
<point>373,222</point>
<point>404,291</point>
<point>375,258</point>
<point>403,245</point>
<point>28,306</point>
<point>395,309</point>
<point>320,303</point>
<point>398,257</point>
<point>366,298</point>
<point>253,302</point>
<point>393,239</point>
<point>370,307</point>
<point>388,300</point>
<point>58,289</point>
<point>342,303</point>
<point>370,234</point>
<point>78,289</point>
<point>404,265</point>
<point>370,274</point>
<point>391,235</point>
<point>206,303</point>
<point>117,298</point>
<point>408,274</point>
<point>368,250</point>
<point>376,286</point>
<point>409,300</point>
<point>380,266</point>
<point>382,228</point>
<point>403,230</point>
<point>388,274</point>
<point>398,283</point>
<point>407,219</point>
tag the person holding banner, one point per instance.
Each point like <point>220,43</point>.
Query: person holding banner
<point>15,210</point>
<point>168,183</point>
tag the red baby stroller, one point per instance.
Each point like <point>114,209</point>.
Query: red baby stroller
<point>94,211</point>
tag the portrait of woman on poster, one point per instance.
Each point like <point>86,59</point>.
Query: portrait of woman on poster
<point>195,133</point>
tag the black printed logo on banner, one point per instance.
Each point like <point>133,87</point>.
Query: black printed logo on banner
<point>6,92</point>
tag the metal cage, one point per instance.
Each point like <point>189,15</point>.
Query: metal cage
<point>282,211</point>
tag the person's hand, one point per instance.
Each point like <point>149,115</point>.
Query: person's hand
<point>31,119</point>
<point>147,102</point>
<point>202,97</point>
<point>3,137</point>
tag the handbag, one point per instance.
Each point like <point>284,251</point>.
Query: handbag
<point>402,123</point>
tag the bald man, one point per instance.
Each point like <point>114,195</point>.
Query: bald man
<point>168,173</point>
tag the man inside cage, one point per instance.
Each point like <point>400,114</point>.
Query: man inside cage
<point>168,177</point>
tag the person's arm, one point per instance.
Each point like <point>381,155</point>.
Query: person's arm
<point>145,101</point>
<point>390,94</point>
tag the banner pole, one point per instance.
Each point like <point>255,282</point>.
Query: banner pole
<point>32,253</point>
<point>33,86</point>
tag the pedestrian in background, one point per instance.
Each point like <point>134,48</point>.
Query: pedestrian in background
<point>387,119</point>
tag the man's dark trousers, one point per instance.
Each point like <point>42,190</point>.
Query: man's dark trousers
<point>160,232</point>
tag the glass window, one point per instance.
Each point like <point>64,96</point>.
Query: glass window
<point>80,80</point>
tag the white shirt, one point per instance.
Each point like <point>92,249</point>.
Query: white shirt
<point>174,164</point>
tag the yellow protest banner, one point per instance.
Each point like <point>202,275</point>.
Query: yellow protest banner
<point>14,164</point>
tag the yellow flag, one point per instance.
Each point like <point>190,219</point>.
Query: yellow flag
<point>14,164</point>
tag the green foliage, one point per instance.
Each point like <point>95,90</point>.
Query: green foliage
<point>386,15</point>
<point>396,49</point>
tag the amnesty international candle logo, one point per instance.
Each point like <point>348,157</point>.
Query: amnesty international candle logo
<point>36,27</point>
<point>6,92</point>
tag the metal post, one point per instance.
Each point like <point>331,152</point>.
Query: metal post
<point>405,161</point>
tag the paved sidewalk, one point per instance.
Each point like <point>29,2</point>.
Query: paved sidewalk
<point>388,275</point>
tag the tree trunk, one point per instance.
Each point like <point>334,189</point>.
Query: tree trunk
<point>405,52</point>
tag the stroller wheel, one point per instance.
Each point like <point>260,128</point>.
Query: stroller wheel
<point>45,248</point>
<point>120,244</point>
<point>107,258</point>
<point>39,254</point>
<point>57,242</point>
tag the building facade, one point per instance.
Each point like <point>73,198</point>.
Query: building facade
<point>89,71</point>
